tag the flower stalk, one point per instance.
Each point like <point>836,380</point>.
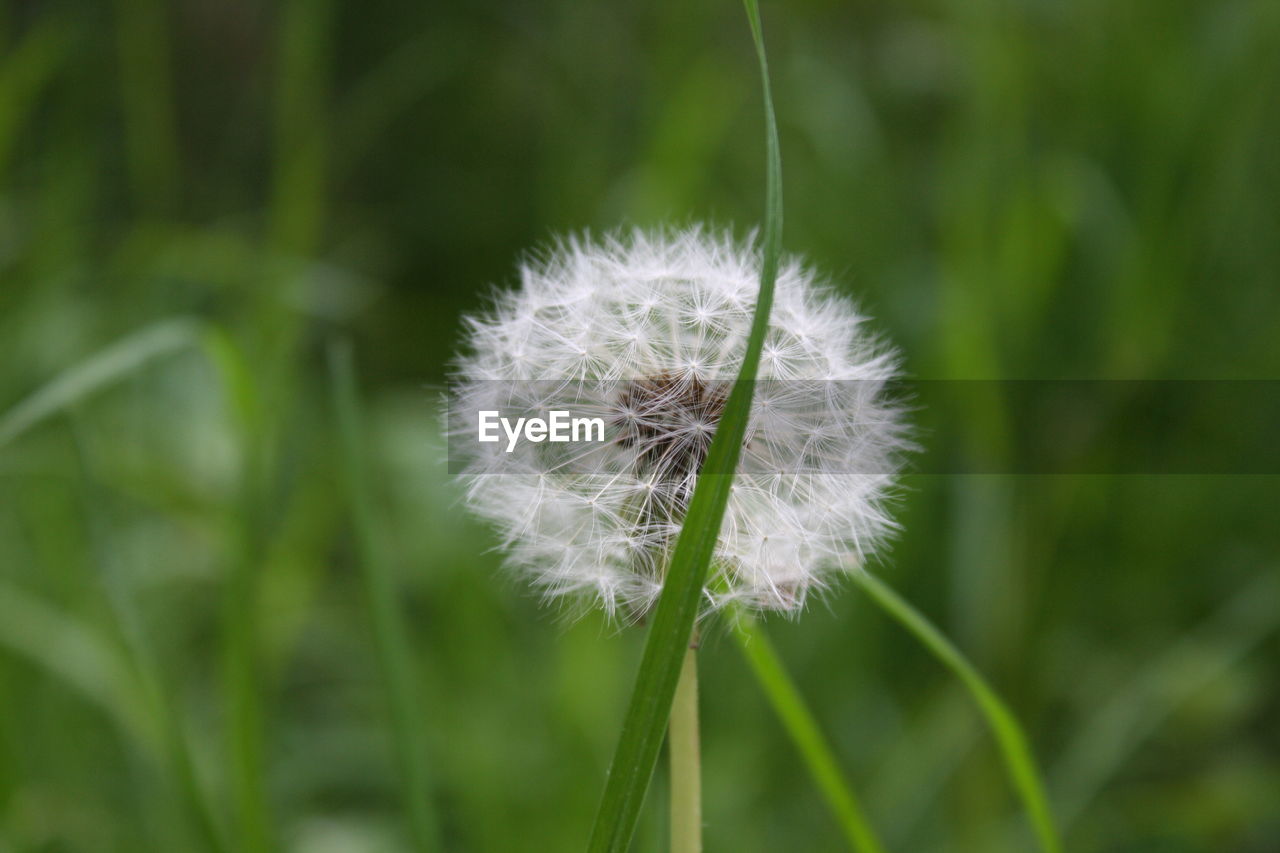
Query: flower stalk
<point>686,761</point>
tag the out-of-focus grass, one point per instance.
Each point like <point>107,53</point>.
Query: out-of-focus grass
<point>384,610</point>
<point>1013,189</point>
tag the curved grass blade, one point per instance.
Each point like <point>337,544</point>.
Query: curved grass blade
<point>124,625</point>
<point>803,729</point>
<point>80,658</point>
<point>1013,743</point>
<point>98,371</point>
<point>124,686</point>
<point>673,618</point>
<point>85,661</point>
<point>1121,725</point>
<point>388,624</point>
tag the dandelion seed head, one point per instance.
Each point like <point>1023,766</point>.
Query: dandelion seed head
<point>646,330</point>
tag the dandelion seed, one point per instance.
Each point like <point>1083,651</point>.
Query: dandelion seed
<point>646,331</point>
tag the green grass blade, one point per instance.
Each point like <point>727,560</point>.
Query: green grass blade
<point>248,535</point>
<point>302,131</point>
<point>673,618</point>
<point>388,626</point>
<point>124,624</point>
<point>803,729</point>
<point>1120,726</point>
<point>1009,735</point>
<point>146,94</point>
<point>99,371</point>
<point>87,662</point>
<point>773,166</point>
<point>80,658</point>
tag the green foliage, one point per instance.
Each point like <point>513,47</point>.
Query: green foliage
<point>384,612</point>
<point>1014,189</point>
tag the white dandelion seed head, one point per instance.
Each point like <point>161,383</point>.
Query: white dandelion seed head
<point>647,330</point>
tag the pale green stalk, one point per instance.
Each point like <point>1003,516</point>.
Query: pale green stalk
<point>686,762</point>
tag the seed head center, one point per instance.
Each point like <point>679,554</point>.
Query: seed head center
<point>671,418</point>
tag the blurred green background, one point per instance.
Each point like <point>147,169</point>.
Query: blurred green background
<point>1012,188</point>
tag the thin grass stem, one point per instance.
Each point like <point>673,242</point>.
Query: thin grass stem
<point>805,734</point>
<point>686,761</point>
<point>1009,735</point>
<point>125,624</point>
<point>389,630</point>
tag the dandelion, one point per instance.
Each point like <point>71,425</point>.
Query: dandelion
<point>645,332</point>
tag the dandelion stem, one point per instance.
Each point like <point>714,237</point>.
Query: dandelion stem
<point>686,763</point>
